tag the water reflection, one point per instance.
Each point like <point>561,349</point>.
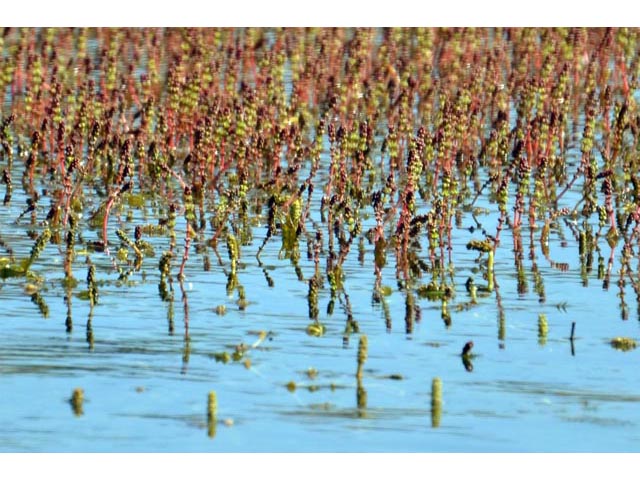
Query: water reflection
<point>436,402</point>
<point>361,393</point>
<point>212,411</point>
<point>186,351</point>
<point>466,362</point>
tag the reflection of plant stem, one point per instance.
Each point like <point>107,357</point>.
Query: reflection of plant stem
<point>607,277</point>
<point>409,311</point>
<point>67,299</point>
<point>92,286</point>
<point>361,398</point>
<point>351,324</point>
<point>186,352</point>
<point>573,331</point>
<point>501,315</point>
<point>212,411</point>
<point>466,361</point>
<point>90,329</point>
<point>166,294</point>
<point>490,274</point>
<point>436,402</point>
<point>572,337</point>
<point>467,355</point>
<point>70,253</point>
<point>361,393</point>
<point>362,355</point>
<point>170,322</point>
<point>185,305</point>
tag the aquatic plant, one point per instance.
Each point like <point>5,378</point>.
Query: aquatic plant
<point>77,402</point>
<point>361,393</point>
<point>212,412</point>
<point>386,147</point>
<point>543,329</point>
<point>467,356</point>
<point>436,402</point>
<point>485,246</point>
<point>22,268</point>
<point>623,343</point>
<point>92,285</point>
<point>362,355</point>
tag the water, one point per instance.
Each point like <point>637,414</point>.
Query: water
<point>146,366</point>
<point>146,386</point>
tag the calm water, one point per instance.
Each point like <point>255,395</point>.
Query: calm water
<point>146,386</point>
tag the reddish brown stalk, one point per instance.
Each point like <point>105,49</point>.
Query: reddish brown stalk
<point>176,175</point>
<point>107,209</point>
<point>185,256</point>
<point>105,221</point>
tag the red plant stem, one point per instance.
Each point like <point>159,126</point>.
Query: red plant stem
<point>501,221</point>
<point>570,184</point>
<point>67,203</point>
<point>185,256</point>
<point>105,221</point>
<point>178,177</point>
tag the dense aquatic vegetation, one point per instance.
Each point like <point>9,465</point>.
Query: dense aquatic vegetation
<point>162,150</point>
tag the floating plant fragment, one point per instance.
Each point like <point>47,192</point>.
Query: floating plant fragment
<point>315,329</point>
<point>623,343</point>
<point>77,402</point>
